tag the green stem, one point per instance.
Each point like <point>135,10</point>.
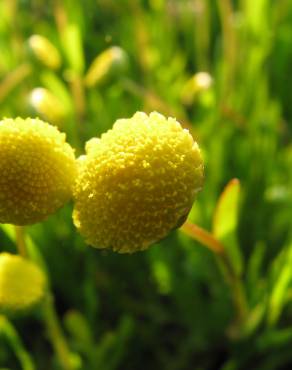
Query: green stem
<point>78,96</point>
<point>13,79</point>
<point>21,353</point>
<point>55,333</point>
<point>20,240</point>
<point>229,42</point>
<point>234,281</point>
<point>50,316</point>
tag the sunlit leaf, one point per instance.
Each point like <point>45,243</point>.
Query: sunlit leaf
<point>225,222</point>
<point>72,44</point>
<point>279,291</point>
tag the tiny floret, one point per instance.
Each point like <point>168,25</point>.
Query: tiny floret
<point>22,284</point>
<point>38,169</point>
<point>136,183</point>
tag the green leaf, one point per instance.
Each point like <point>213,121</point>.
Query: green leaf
<point>113,345</point>
<point>8,330</point>
<point>72,44</point>
<point>254,273</point>
<point>79,329</point>
<point>57,86</point>
<point>273,339</point>
<point>279,291</point>
<point>225,223</point>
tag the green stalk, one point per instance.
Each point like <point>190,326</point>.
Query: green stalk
<point>226,13</point>
<point>12,336</point>
<point>55,332</point>
<point>13,79</point>
<point>233,280</point>
<point>20,241</point>
<point>50,316</point>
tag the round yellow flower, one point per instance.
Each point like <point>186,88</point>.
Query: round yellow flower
<point>136,183</point>
<point>37,168</point>
<point>22,284</point>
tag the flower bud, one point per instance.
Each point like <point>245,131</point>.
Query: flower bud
<point>107,64</point>
<point>37,170</point>
<point>22,284</point>
<point>136,183</point>
<point>44,51</point>
<point>47,105</point>
<point>197,84</point>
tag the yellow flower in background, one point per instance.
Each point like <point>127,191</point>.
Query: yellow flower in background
<point>44,51</point>
<point>197,84</point>
<point>136,183</point>
<point>37,170</point>
<point>22,284</point>
<point>47,105</point>
<point>110,62</point>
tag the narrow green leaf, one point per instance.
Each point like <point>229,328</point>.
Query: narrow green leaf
<point>53,83</point>
<point>15,341</point>
<point>78,327</point>
<point>255,282</point>
<point>225,223</point>
<point>72,44</point>
<point>273,339</point>
<point>113,345</point>
<point>280,288</point>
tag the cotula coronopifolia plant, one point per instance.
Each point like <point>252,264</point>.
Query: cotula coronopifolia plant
<point>132,187</point>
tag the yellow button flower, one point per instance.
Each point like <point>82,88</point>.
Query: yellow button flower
<point>136,183</point>
<point>22,284</point>
<point>37,170</point>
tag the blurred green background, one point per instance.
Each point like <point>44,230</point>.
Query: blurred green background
<point>169,307</point>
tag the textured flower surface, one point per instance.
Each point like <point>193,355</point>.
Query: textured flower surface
<point>136,183</point>
<point>22,284</point>
<point>37,168</point>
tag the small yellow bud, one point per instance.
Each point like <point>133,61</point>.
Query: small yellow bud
<point>22,284</point>
<point>198,83</point>
<point>47,105</point>
<point>136,183</point>
<point>45,51</point>
<point>37,170</point>
<point>110,62</point>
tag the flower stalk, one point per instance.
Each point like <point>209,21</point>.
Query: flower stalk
<point>217,248</point>
<point>16,344</point>
<point>50,316</point>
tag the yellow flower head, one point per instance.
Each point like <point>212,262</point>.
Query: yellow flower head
<point>22,284</point>
<point>136,183</point>
<point>37,170</point>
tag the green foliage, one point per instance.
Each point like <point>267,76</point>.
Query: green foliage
<point>225,223</point>
<point>169,307</point>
